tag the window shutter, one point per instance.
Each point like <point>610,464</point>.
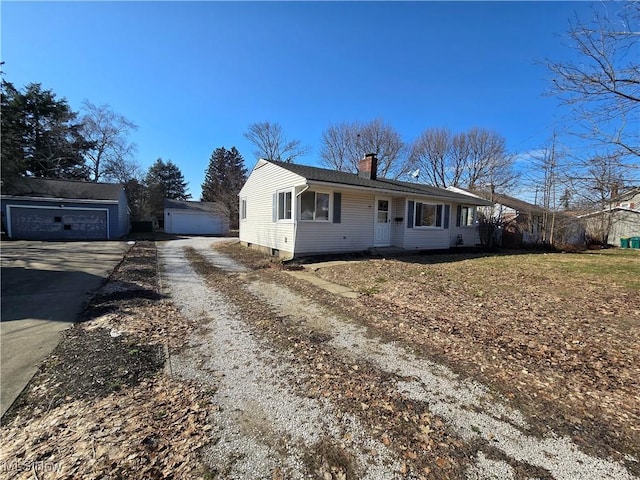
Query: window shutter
<point>337,207</point>
<point>410,206</point>
<point>447,208</point>
<point>438,215</point>
<point>274,209</point>
<point>459,214</point>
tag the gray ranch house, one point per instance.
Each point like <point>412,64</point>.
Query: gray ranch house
<point>47,209</point>
<point>619,220</point>
<point>292,210</point>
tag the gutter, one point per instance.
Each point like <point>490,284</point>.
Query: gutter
<point>55,199</point>
<point>471,200</point>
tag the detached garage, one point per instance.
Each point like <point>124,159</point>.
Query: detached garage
<point>195,218</point>
<point>47,209</point>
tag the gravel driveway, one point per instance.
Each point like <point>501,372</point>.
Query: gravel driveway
<point>264,428</point>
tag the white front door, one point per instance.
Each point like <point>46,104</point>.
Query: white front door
<point>382,233</point>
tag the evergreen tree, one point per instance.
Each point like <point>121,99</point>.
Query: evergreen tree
<point>40,135</point>
<point>223,180</point>
<point>136,193</point>
<point>164,180</point>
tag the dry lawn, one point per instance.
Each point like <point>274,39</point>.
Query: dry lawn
<point>557,334</point>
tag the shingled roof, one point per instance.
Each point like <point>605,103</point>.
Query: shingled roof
<point>209,207</point>
<point>516,204</point>
<point>62,189</point>
<point>324,175</point>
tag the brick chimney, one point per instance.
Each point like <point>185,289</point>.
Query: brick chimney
<point>368,167</point>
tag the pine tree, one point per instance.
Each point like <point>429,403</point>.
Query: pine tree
<point>164,180</point>
<point>41,135</point>
<point>223,180</point>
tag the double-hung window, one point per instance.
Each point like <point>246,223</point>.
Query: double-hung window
<point>243,209</point>
<point>284,205</point>
<point>428,215</point>
<point>467,216</point>
<point>314,206</point>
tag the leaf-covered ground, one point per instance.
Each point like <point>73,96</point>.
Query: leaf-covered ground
<point>555,334</point>
<point>558,334</point>
<point>100,406</point>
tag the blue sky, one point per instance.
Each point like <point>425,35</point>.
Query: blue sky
<point>194,75</point>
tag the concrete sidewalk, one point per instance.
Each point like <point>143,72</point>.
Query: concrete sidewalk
<point>308,274</point>
<point>44,288</point>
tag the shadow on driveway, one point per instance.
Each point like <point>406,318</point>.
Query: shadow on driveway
<point>45,286</point>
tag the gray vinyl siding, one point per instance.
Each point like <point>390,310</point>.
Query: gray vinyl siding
<point>421,238</point>
<point>259,228</point>
<point>427,238</point>
<point>470,235</point>
<point>58,217</point>
<point>624,223</point>
<point>353,233</point>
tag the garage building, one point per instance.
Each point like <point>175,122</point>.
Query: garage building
<point>48,209</point>
<point>195,218</point>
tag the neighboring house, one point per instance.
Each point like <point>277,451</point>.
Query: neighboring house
<point>195,218</point>
<point>293,210</point>
<point>620,220</point>
<point>521,222</point>
<point>47,209</point>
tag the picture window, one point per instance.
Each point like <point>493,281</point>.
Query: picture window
<point>314,206</point>
<point>428,215</point>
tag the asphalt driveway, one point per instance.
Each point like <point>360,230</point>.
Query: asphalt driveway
<point>44,288</point>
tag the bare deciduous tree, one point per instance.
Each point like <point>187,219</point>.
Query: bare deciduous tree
<point>110,153</point>
<point>603,85</point>
<point>272,144</point>
<point>345,144</point>
<point>597,183</point>
<point>488,164</point>
<point>432,154</point>
<point>473,160</point>
<point>339,147</point>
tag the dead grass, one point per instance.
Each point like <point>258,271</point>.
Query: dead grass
<point>556,334</point>
<point>559,334</point>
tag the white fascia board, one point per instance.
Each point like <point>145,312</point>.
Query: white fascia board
<point>396,193</point>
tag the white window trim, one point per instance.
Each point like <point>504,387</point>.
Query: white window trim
<point>427,227</point>
<point>243,209</point>
<point>475,216</point>
<point>293,205</point>
<point>299,207</point>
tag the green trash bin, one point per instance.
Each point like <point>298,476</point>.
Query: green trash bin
<point>624,242</point>
<point>635,242</point>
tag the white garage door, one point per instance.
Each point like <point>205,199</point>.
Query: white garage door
<point>194,224</point>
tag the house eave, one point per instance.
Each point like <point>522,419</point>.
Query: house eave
<point>608,210</point>
<point>58,199</point>
<point>467,201</point>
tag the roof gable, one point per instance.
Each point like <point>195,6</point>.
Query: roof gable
<point>64,189</point>
<point>324,175</point>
